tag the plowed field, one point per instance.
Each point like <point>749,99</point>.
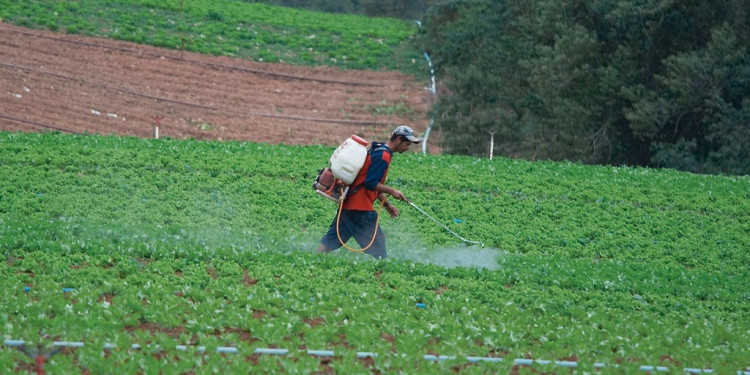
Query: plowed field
<point>79,84</point>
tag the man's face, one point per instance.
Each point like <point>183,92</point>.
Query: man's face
<point>402,145</point>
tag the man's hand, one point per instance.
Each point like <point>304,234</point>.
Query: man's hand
<point>385,189</point>
<point>393,210</point>
<point>398,195</point>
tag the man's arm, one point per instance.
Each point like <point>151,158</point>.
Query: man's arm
<point>383,189</point>
<point>375,174</point>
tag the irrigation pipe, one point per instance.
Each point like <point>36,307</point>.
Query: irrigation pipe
<point>215,65</point>
<point>191,104</point>
<point>28,122</point>
<point>427,357</point>
<point>433,90</point>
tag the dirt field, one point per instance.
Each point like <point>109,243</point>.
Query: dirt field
<point>52,81</point>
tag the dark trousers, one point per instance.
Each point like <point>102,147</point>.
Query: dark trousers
<point>361,226</point>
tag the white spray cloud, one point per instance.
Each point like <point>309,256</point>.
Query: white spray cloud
<point>404,243</point>
<point>451,257</point>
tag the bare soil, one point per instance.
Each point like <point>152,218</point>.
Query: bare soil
<point>53,81</point>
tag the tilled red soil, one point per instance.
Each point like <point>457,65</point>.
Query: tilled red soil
<point>79,84</point>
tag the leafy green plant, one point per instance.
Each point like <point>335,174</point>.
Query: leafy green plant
<point>168,242</point>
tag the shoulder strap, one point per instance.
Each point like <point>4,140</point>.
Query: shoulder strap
<point>380,147</point>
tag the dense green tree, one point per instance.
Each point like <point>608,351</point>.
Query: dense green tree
<point>647,82</point>
<point>697,113</point>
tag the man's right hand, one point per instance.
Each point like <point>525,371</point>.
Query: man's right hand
<point>398,195</point>
<point>385,189</point>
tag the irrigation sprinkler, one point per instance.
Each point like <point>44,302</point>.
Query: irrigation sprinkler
<point>40,354</point>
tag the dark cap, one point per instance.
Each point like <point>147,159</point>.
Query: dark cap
<point>407,133</point>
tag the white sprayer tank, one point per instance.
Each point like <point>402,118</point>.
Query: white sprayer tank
<point>348,159</point>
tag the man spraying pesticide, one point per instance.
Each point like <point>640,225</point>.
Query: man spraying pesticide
<point>356,193</point>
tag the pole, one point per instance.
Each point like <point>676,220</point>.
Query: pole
<point>156,126</point>
<point>492,141</point>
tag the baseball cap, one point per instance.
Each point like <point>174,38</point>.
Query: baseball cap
<point>407,133</point>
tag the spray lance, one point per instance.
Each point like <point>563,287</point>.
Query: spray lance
<point>443,226</point>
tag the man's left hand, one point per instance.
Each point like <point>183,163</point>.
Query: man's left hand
<point>393,210</point>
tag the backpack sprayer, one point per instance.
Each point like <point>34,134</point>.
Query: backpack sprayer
<point>334,181</point>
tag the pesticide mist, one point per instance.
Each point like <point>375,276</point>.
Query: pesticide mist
<point>405,244</point>
<point>451,257</point>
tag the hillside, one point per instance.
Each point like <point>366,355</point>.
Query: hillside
<point>82,84</point>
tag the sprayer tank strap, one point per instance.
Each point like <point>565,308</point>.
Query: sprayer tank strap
<point>377,147</point>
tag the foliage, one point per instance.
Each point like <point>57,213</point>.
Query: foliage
<point>658,83</point>
<point>170,242</point>
<point>231,28</point>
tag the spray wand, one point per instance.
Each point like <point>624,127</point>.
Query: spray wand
<point>444,227</point>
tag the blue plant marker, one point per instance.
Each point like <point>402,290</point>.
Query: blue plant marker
<point>458,221</point>
<point>65,290</point>
<point>420,305</point>
<point>26,289</point>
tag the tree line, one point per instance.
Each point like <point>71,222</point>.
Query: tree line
<point>659,83</point>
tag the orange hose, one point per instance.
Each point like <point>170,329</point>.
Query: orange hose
<point>374,234</point>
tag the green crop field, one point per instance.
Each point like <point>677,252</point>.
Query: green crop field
<point>233,28</point>
<point>183,256</point>
<point>137,247</point>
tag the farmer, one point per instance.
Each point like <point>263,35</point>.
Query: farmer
<point>358,217</point>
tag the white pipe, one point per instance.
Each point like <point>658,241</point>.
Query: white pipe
<point>570,364</point>
<point>320,353</point>
<point>431,357</point>
<point>484,359</point>
<point>69,344</point>
<point>433,90</point>
<point>271,351</point>
<point>428,357</point>
<point>361,355</point>
<point>227,349</point>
